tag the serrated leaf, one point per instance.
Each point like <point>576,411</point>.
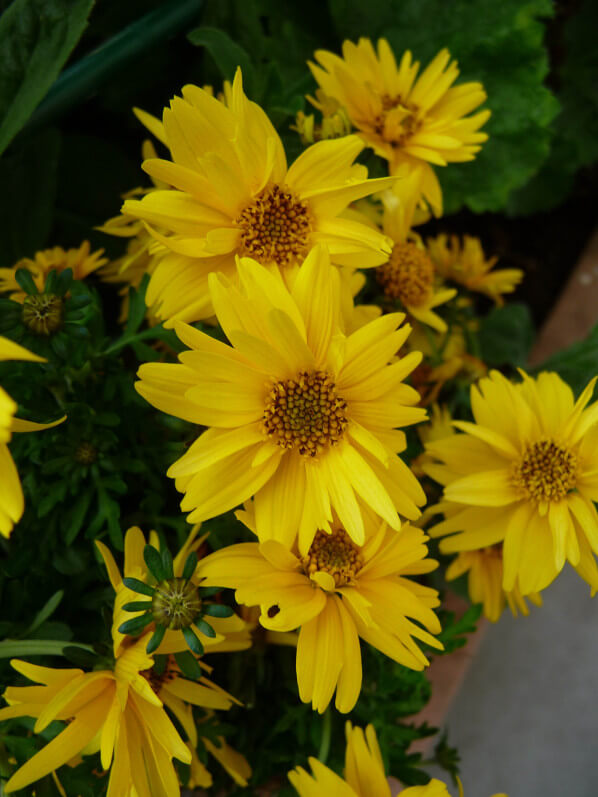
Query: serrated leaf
<point>36,38</point>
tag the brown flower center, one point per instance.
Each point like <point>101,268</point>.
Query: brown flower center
<point>305,413</point>
<point>408,275</point>
<point>276,227</point>
<point>157,678</point>
<point>176,603</point>
<point>546,471</point>
<point>336,554</point>
<point>42,313</point>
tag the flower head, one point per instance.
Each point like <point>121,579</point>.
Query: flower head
<point>411,121</point>
<point>336,592</point>
<point>301,417</point>
<point>234,195</point>
<point>464,262</point>
<point>523,474</point>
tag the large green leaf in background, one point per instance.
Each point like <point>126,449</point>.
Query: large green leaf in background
<point>499,43</point>
<point>36,38</point>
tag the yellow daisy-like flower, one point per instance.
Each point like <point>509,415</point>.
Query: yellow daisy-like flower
<point>113,711</point>
<point>409,276</point>
<point>231,632</point>
<point>484,582</point>
<point>411,121</point>
<point>82,262</point>
<point>336,593</point>
<point>334,123</point>
<point>464,262</point>
<point>364,773</point>
<point>524,474</point>
<point>234,195</point>
<point>301,417</point>
<point>12,502</point>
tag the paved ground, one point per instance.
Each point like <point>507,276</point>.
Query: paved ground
<point>526,718</point>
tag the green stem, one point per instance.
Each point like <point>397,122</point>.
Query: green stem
<point>38,647</point>
<point>326,734</point>
<point>127,340</point>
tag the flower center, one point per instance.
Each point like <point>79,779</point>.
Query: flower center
<point>397,121</point>
<point>336,554</point>
<point>546,471</point>
<point>176,603</point>
<point>42,313</point>
<point>276,227</point>
<point>408,275</point>
<point>305,413</point>
<point>158,677</point>
<point>86,453</point>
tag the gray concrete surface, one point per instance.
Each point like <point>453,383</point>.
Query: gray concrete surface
<point>526,718</point>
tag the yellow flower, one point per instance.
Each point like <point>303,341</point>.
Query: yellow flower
<point>335,122</point>
<point>235,196</point>
<point>300,416</point>
<point>12,503</point>
<point>524,474</point>
<point>411,121</point>
<point>464,262</point>
<point>484,582</point>
<point>113,711</point>
<point>336,593</point>
<point>364,773</point>
<point>231,632</point>
<point>409,275</point>
<point>80,260</point>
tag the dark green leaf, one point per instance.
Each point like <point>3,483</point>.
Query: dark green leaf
<point>226,53</point>
<point>188,664</point>
<point>45,612</point>
<point>156,639</point>
<point>137,606</point>
<point>36,38</point>
<point>506,335</point>
<point>153,560</point>
<point>138,586</point>
<point>576,364</point>
<point>135,625</point>
<point>218,610</point>
<point>192,640</point>
<point>137,306</point>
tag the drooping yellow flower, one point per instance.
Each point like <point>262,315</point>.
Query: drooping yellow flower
<point>484,582</point>
<point>364,773</point>
<point>234,195</point>
<point>82,262</point>
<point>336,593</point>
<point>409,276</point>
<point>300,416</point>
<point>114,711</point>
<point>12,502</point>
<point>231,632</point>
<point>464,262</point>
<point>525,475</point>
<point>411,121</point>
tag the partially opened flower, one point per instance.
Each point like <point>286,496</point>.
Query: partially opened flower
<point>336,593</point>
<point>115,712</point>
<point>12,502</point>
<point>525,475</point>
<point>301,417</point>
<point>414,122</point>
<point>409,276</point>
<point>234,195</point>
<point>463,261</point>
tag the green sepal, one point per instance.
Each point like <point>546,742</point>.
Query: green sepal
<point>208,592</point>
<point>218,610</point>
<point>193,641</point>
<point>190,565</point>
<point>135,625</point>
<point>167,563</point>
<point>51,282</point>
<point>138,586</point>
<point>156,639</point>
<point>160,663</point>
<point>25,279</point>
<point>64,280</point>
<point>138,606</point>
<point>188,664</point>
<point>153,560</point>
<point>205,628</point>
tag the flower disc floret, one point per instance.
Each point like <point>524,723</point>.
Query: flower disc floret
<point>305,413</point>
<point>408,276</point>
<point>43,313</point>
<point>176,603</point>
<point>546,471</point>
<point>336,554</point>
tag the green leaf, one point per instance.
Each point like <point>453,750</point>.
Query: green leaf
<point>506,335</point>
<point>136,306</point>
<point>45,612</point>
<point>138,586</point>
<point>218,610</point>
<point>135,625</point>
<point>156,639</point>
<point>36,38</point>
<point>10,648</point>
<point>226,53</point>
<point>188,664</point>
<point>72,520</point>
<point>192,640</point>
<point>576,364</point>
<point>153,560</point>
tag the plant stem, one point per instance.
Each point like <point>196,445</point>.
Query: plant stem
<point>326,733</point>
